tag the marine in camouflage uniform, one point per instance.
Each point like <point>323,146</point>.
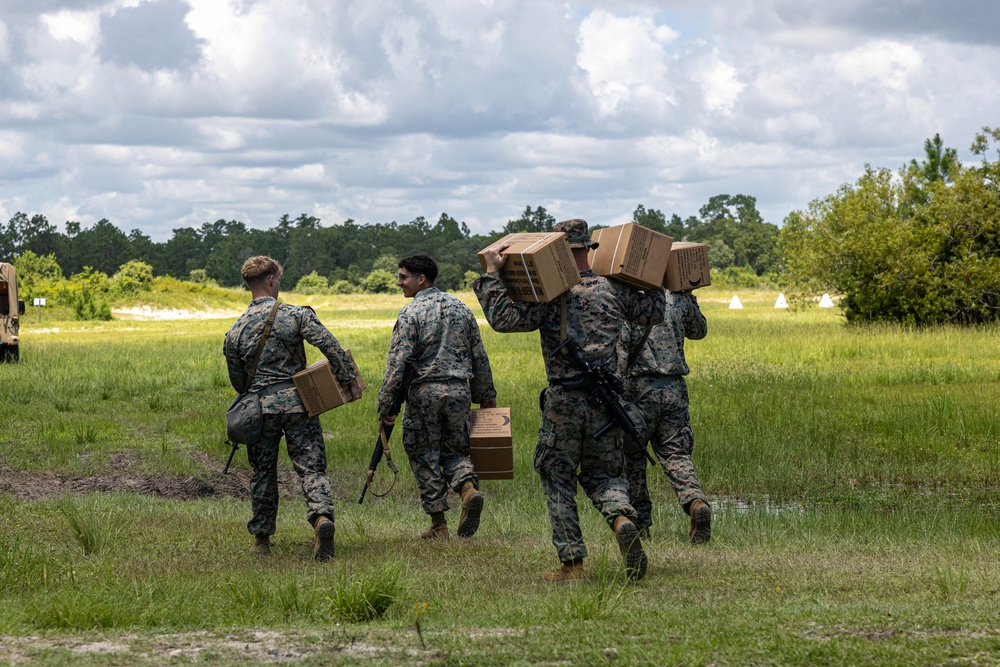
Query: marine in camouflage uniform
<point>568,451</point>
<point>283,412</point>
<point>656,383</point>
<point>437,336</point>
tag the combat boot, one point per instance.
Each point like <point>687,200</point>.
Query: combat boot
<point>569,573</point>
<point>631,547</point>
<point>262,545</point>
<point>325,530</point>
<point>438,529</point>
<point>472,509</point>
<point>701,521</point>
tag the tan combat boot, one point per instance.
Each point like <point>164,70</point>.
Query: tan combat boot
<point>262,545</point>
<point>472,509</point>
<point>627,536</point>
<point>569,573</point>
<point>438,529</point>
<point>325,530</point>
<point>701,521</point>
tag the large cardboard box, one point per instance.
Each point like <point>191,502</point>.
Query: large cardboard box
<point>631,253</point>
<point>319,389</point>
<point>491,443</point>
<point>539,266</point>
<point>688,267</point>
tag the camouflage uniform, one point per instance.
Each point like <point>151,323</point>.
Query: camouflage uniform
<point>595,310</point>
<point>657,379</point>
<point>438,336</point>
<point>283,355</point>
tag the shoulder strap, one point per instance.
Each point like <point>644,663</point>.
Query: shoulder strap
<point>563,329</point>
<point>633,353</point>
<point>260,347</point>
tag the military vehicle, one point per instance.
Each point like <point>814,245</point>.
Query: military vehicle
<point>11,310</point>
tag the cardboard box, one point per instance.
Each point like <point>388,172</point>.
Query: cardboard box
<point>688,267</point>
<point>319,389</point>
<point>539,266</point>
<point>631,253</point>
<point>491,443</point>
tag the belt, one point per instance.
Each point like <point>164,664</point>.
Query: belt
<point>275,388</point>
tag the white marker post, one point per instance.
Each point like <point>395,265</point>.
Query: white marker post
<point>40,302</point>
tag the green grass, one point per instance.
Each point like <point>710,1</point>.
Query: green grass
<point>853,472</point>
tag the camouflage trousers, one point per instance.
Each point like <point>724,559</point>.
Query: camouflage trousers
<point>304,441</point>
<point>436,440</point>
<point>567,453</point>
<point>665,409</point>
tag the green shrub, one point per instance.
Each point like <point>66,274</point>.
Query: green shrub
<point>379,282</point>
<point>312,283</point>
<point>343,287</point>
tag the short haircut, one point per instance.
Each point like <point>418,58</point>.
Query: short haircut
<point>258,268</point>
<point>420,265</point>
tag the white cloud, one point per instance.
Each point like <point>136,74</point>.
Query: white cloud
<point>625,60</point>
<point>389,109</point>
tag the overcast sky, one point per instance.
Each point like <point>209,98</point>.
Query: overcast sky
<point>159,114</point>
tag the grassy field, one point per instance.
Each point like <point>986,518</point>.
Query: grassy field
<point>853,472</point>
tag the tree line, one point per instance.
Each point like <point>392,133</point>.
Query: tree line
<point>350,256</point>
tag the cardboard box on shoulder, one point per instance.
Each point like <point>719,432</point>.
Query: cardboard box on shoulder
<point>688,267</point>
<point>319,389</point>
<point>631,253</point>
<point>539,266</point>
<point>491,443</point>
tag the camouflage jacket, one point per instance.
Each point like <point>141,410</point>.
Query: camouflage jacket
<point>439,336</point>
<point>596,310</point>
<point>663,353</point>
<point>283,354</point>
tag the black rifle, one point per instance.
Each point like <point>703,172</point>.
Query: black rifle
<point>384,432</point>
<point>604,390</point>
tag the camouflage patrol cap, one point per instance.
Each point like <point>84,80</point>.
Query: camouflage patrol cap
<point>576,232</point>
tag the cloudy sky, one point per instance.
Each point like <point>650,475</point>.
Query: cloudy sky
<point>158,114</point>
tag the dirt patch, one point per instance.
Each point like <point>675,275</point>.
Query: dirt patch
<point>123,475</point>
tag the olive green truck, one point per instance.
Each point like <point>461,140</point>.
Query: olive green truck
<point>11,310</point>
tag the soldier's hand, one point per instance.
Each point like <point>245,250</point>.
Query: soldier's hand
<point>387,420</point>
<point>494,260</point>
<point>488,404</point>
<point>355,388</point>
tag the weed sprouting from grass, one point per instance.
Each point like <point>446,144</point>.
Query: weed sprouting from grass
<point>600,596</point>
<point>951,584</point>
<point>367,597</point>
<point>86,434</point>
<point>93,531</point>
<point>419,609</point>
<point>296,599</point>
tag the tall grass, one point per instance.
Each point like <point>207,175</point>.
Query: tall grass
<point>852,472</point>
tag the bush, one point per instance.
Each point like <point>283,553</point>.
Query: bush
<point>903,248</point>
<point>312,283</point>
<point>37,275</point>
<point>86,307</point>
<point>132,277</point>
<point>343,287</point>
<point>379,282</point>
